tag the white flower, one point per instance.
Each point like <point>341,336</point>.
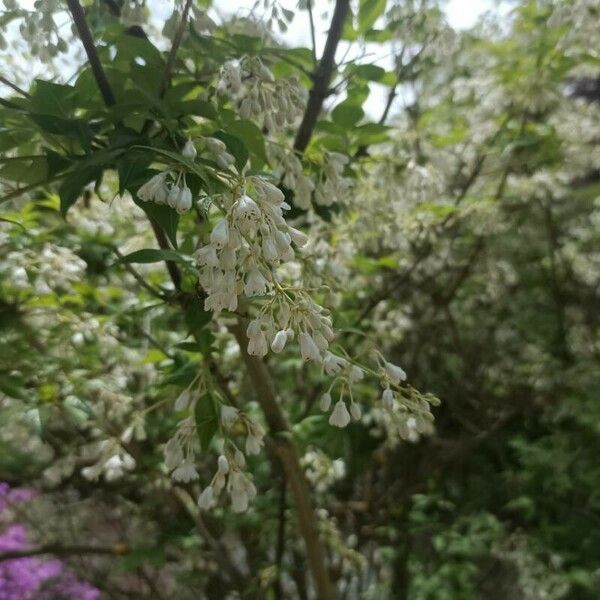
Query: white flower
<point>222,465</point>
<point>183,400</point>
<point>387,399</point>
<point>219,236</point>
<point>299,238</point>
<point>340,417</point>
<point>308,348</point>
<point>239,500</point>
<point>206,499</point>
<point>278,343</point>
<point>270,192</point>
<point>215,145</point>
<point>356,374</point>
<point>253,444</point>
<point>149,190</point>
<point>229,415</point>
<point>333,364</point>
<point>256,284</point>
<point>185,472</point>
<point>173,197</point>
<point>395,373</point>
<point>173,453</point>
<point>207,256</point>
<point>189,150</point>
<point>239,458</point>
<point>355,411</point>
<point>184,200</point>
<point>246,209</point>
<point>325,402</point>
<point>257,345</point>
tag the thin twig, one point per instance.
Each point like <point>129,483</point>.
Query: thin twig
<point>15,87</point>
<point>312,31</point>
<point>60,550</point>
<point>138,277</point>
<point>166,81</point>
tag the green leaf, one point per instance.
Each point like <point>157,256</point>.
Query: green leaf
<point>52,99</point>
<point>151,255</point>
<point>347,114</point>
<point>72,185</point>
<point>197,319</point>
<point>162,215</point>
<point>368,12</point>
<point>207,420</point>
<point>253,139</point>
<point>370,72</point>
<point>133,171</point>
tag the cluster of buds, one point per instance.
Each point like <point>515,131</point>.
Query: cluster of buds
<point>179,452</point>
<point>288,168</point>
<point>330,187</point>
<point>112,461</point>
<point>246,244</point>
<point>162,188</point>
<point>258,96</point>
<point>230,476</point>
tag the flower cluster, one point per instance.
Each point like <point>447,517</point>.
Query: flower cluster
<point>245,245</point>
<point>112,461</point>
<point>174,193</point>
<point>258,96</point>
<point>55,268</point>
<point>329,185</point>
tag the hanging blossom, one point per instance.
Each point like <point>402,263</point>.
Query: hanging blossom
<point>259,96</point>
<point>231,476</point>
<point>170,188</point>
<point>329,185</point>
<point>247,247</point>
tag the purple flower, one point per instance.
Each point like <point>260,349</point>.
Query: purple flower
<point>31,578</point>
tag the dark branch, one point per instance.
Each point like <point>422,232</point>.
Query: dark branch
<point>322,76</point>
<point>60,550</point>
<point>90,49</point>
<point>15,87</point>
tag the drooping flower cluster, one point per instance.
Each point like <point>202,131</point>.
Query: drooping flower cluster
<point>259,96</point>
<point>246,244</point>
<point>230,476</point>
<point>163,188</point>
<point>329,185</point>
<point>111,460</point>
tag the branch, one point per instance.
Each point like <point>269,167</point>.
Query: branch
<point>166,81</point>
<point>60,550</point>
<point>322,76</point>
<point>90,49</point>
<point>312,31</point>
<point>13,86</point>
<point>280,538</point>
<point>286,452</point>
<point>220,551</point>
